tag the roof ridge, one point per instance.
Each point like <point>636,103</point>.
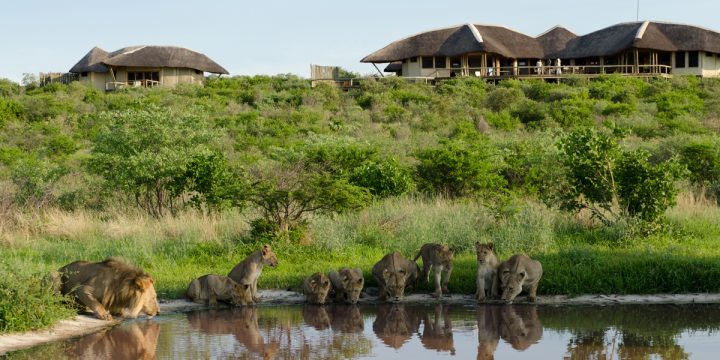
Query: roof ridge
<point>641,30</point>
<point>558,26</point>
<point>475,32</point>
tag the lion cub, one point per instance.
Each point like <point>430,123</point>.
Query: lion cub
<point>517,274</point>
<point>487,264</point>
<point>316,288</point>
<point>248,271</point>
<point>208,289</point>
<point>439,258</point>
<point>347,285</point>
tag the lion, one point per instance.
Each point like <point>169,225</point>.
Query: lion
<point>487,263</point>
<point>208,289</point>
<point>488,323</point>
<point>393,274</point>
<point>439,258</point>
<point>316,288</point>
<point>347,285</point>
<point>248,271</point>
<point>110,287</point>
<point>517,274</point>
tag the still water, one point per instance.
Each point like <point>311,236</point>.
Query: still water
<point>408,332</point>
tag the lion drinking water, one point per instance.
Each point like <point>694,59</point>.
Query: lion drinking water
<point>517,274</point>
<point>248,271</point>
<point>393,273</point>
<point>347,285</point>
<point>110,287</point>
<point>316,288</point>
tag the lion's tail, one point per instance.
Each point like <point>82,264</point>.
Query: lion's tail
<point>418,255</point>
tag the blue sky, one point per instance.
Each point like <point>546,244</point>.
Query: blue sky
<point>275,37</point>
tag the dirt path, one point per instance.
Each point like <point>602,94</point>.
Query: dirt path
<point>83,325</point>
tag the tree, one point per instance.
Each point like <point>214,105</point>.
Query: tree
<point>147,153</point>
<point>613,183</point>
<point>291,189</point>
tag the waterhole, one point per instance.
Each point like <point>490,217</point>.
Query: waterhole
<point>407,332</point>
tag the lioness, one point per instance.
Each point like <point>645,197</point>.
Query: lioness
<point>517,274</point>
<point>394,325</point>
<point>439,258</point>
<point>110,287</point>
<point>347,285</point>
<point>487,263</point>
<point>208,289</point>
<point>248,271</point>
<point>316,288</point>
<point>393,274</point>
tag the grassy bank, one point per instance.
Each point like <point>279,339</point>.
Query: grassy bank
<point>578,257</point>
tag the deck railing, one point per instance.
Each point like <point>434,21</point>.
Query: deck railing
<point>115,85</point>
<point>555,71</point>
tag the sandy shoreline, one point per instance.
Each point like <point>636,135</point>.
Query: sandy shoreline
<point>83,324</point>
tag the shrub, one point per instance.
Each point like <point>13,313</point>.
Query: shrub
<point>457,168</point>
<point>646,190</point>
<point>382,178</point>
<point>614,184</point>
<point>529,111</point>
<point>28,302</point>
<point>503,98</point>
<point>572,112</point>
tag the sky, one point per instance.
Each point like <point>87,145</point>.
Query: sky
<point>286,36</point>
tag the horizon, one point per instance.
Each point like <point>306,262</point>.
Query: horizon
<point>286,37</point>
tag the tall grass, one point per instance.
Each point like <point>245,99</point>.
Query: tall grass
<point>578,255</point>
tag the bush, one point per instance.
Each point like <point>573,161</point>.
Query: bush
<point>646,190</point>
<point>503,98</point>
<point>572,112</point>
<point>382,178</point>
<point>28,302</point>
<point>612,183</point>
<point>457,168</point>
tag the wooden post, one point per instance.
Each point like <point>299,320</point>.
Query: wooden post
<point>637,62</point>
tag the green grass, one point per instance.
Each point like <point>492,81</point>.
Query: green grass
<point>577,256</point>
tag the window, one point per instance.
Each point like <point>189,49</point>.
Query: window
<point>456,62</point>
<point>427,62</point>
<point>680,59</point>
<point>440,62</point>
<point>413,59</point>
<point>198,72</point>
<point>665,58</point>
<point>84,74</point>
<point>693,59</point>
<point>143,77</point>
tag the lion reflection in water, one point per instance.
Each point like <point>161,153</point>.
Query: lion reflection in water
<point>437,331</point>
<point>240,322</point>
<point>519,326</point>
<point>135,340</point>
<point>394,325</point>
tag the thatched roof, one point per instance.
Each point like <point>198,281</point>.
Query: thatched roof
<point>556,42</point>
<point>97,59</point>
<point>460,40</point>
<point>642,35</point>
<point>91,62</point>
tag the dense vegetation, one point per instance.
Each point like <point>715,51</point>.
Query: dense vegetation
<point>187,181</point>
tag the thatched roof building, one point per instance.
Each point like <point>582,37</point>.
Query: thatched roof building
<point>144,66</point>
<point>484,50</point>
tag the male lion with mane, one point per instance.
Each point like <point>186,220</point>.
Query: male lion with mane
<point>110,287</point>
